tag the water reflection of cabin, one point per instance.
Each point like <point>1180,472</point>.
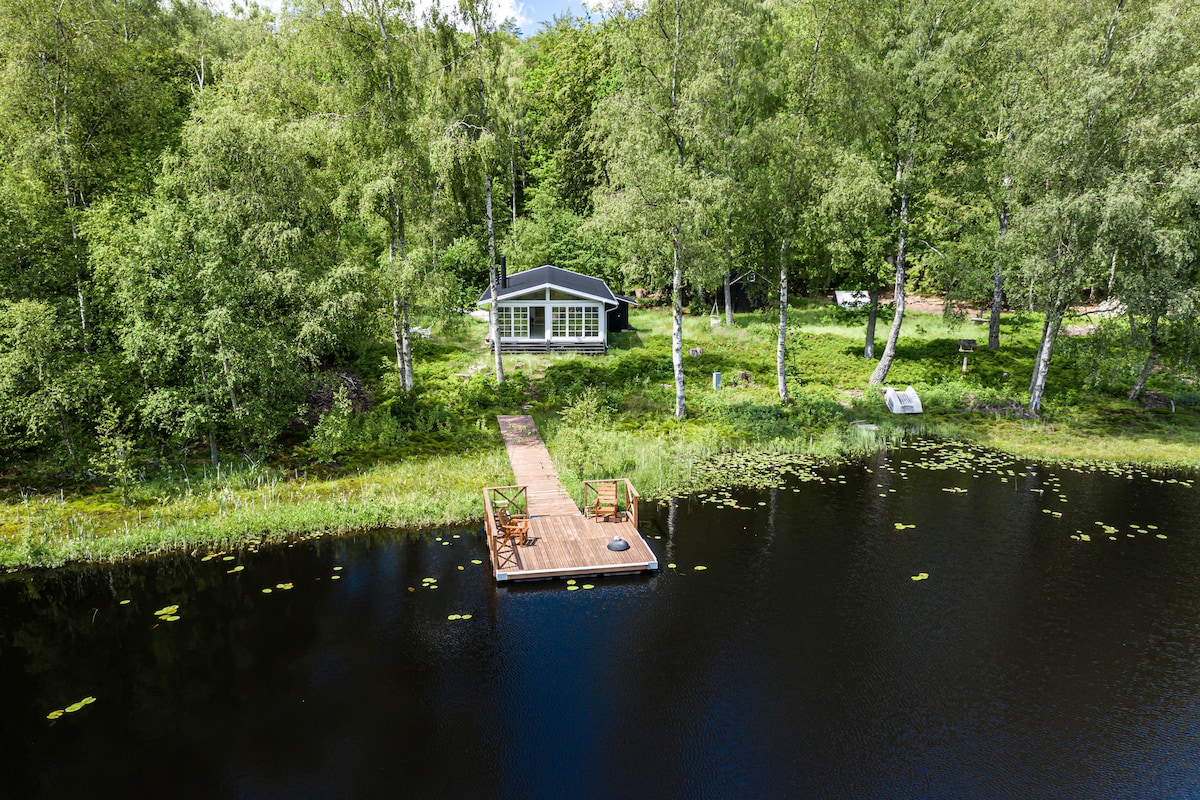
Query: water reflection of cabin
<point>547,308</point>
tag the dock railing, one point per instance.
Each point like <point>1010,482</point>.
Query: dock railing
<point>511,498</point>
<point>627,496</point>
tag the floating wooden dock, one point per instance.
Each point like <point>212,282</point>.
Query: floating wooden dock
<point>562,540</point>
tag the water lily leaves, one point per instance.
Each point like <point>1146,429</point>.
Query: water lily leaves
<point>339,577</point>
<point>338,569</point>
<point>167,613</point>
<point>570,581</point>
<point>284,586</point>
<point>476,561</point>
<point>589,586</point>
<point>227,558</point>
<point>126,602</point>
<point>71,709</point>
<point>699,567</point>
<point>454,616</point>
<point>238,568</point>
<point>902,526</point>
<point>1160,536</point>
<point>466,616</point>
<point>461,567</point>
<point>921,576</point>
<point>671,565</point>
<point>267,590</point>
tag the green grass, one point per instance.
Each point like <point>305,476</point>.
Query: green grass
<point>421,461</point>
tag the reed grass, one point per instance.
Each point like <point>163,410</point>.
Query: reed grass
<point>610,416</point>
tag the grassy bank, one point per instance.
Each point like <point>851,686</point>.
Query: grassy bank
<point>421,461</point>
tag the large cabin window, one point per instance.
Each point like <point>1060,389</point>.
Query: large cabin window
<point>513,322</point>
<point>579,322</point>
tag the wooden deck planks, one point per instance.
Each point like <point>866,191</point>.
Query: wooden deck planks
<point>562,541</point>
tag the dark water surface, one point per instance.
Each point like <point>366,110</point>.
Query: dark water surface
<point>803,662</point>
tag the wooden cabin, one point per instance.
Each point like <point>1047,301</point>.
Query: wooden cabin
<point>547,308</point>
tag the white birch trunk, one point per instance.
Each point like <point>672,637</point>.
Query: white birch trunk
<point>1041,367</point>
<point>677,324</point>
<point>889,349</point>
<point>781,342</point>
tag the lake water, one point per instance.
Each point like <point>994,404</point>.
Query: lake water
<point>804,661</point>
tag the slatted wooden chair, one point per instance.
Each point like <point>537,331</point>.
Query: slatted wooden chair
<point>605,504</point>
<point>512,526</point>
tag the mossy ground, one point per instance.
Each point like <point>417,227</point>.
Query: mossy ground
<point>421,461</point>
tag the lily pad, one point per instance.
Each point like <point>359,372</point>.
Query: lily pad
<point>170,618</point>
<point>466,616</point>
<point>126,602</point>
<point>572,588</point>
<point>589,586</point>
<point>338,569</point>
<point>699,567</point>
<point>671,565</point>
<point>920,576</point>
<point>476,561</point>
<point>166,611</point>
<point>55,714</point>
<point>454,616</point>
<point>238,568</point>
<point>339,577</point>
<point>267,590</point>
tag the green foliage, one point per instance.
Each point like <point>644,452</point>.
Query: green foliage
<point>115,458</point>
<point>333,433</point>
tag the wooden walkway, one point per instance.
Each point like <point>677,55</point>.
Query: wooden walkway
<point>562,541</point>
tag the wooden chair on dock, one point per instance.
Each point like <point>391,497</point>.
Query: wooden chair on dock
<point>512,527</point>
<point>605,504</point>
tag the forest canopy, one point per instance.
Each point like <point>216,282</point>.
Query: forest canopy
<point>206,220</point>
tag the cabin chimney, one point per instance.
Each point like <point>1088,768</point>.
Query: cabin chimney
<point>503,260</point>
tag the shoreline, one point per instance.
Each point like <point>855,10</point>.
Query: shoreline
<point>417,497</point>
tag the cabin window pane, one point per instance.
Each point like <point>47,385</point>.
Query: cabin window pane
<point>513,322</point>
<point>576,322</point>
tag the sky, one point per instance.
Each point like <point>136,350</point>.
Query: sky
<point>529,14</point>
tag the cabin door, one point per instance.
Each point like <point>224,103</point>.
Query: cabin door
<point>537,322</point>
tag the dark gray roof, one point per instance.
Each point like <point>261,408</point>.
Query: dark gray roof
<point>531,279</point>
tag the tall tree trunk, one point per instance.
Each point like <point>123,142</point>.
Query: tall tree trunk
<point>402,337</point>
<point>1112,275</point>
<point>493,313</point>
<point>1151,359</point>
<point>728,298</point>
<point>872,316</point>
<point>1041,367</point>
<point>998,274</point>
<point>677,322</point>
<point>729,276</point>
<point>212,424</point>
<point>512,173</point>
<point>889,349</point>
<point>781,342</point>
